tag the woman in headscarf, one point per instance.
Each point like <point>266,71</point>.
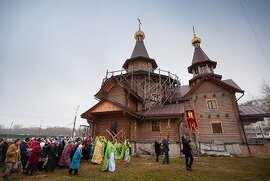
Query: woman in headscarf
<point>65,157</point>
<point>33,159</point>
<point>52,156</point>
<point>76,161</point>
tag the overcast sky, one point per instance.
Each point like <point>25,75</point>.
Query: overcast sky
<point>54,54</point>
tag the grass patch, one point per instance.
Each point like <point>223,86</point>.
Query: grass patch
<point>204,168</point>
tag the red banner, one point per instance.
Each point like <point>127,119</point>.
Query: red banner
<point>192,123</point>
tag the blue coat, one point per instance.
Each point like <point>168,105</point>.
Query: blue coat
<point>165,145</point>
<point>76,160</point>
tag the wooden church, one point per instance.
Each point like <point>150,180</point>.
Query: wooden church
<point>144,103</point>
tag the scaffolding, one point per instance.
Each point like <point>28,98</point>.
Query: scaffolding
<point>84,131</point>
<point>155,88</point>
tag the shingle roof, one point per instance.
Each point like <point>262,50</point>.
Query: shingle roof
<point>166,111</point>
<point>180,93</point>
<point>232,83</point>
<point>252,111</point>
<point>139,50</point>
<point>199,55</point>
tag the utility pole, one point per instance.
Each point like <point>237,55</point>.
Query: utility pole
<point>40,128</point>
<point>76,110</point>
<point>10,129</point>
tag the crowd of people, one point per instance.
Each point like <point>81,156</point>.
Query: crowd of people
<point>38,154</point>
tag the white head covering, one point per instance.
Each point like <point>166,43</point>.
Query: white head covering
<point>80,146</point>
<point>42,144</point>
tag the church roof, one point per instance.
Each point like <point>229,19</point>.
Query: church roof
<point>228,84</point>
<point>199,57</point>
<point>165,111</point>
<point>118,108</point>
<point>252,112</point>
<point>139,50</point>
<point>109,83</point>
<point>232,83</point>
<point>154,64</point>
<point>181,92</point>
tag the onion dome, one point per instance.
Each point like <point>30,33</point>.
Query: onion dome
<point>139,35</point>
<point>196,41</point>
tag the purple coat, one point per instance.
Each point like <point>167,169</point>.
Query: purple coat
<point>65,157</point>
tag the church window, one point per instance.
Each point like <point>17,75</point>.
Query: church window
<point>114,126</point>
<point>217,127</point>
<point>155,126</point>
<point>211,103</point>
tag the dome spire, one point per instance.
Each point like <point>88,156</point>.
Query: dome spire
<point>139,35</point>
<point>196,41</point>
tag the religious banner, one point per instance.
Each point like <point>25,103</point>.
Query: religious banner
<point>160,131</point>
<point>192,123</point>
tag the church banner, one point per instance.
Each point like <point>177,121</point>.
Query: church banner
<point>192,123</point>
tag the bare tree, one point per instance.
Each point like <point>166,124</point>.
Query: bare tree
<point>264,101</point>
<point>266,95</point>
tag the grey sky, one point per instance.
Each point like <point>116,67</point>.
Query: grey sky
<point>54,54</point>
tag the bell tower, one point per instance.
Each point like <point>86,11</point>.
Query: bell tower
<point>140,60</point>
<point>201,63</point>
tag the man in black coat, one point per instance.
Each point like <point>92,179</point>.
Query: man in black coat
<point>187,151</point>
<point>166,150</point>
<point>157,149</point>
<point>3,150</point>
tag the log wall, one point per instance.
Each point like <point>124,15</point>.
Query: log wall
<point>226,113</point>
<point>104,122</point>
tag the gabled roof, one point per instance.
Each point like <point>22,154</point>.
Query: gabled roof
<point>225,84</point>
<point>165,111</point>
<point>252,112</point>
<point>181,92</point>
<point>129,90</point>
<point>231,83</point>
<point>106,86</point>
<point>200,76</point>
<point>110,83</point>
<point>114,107</point>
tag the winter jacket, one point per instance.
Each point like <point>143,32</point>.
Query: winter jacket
<point>165,145</point>
<point>76,160</point>
<point>36,152</point>
<point>186,146</point>
<point>13,154</point>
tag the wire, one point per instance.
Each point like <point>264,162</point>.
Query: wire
<point>255,34</point>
